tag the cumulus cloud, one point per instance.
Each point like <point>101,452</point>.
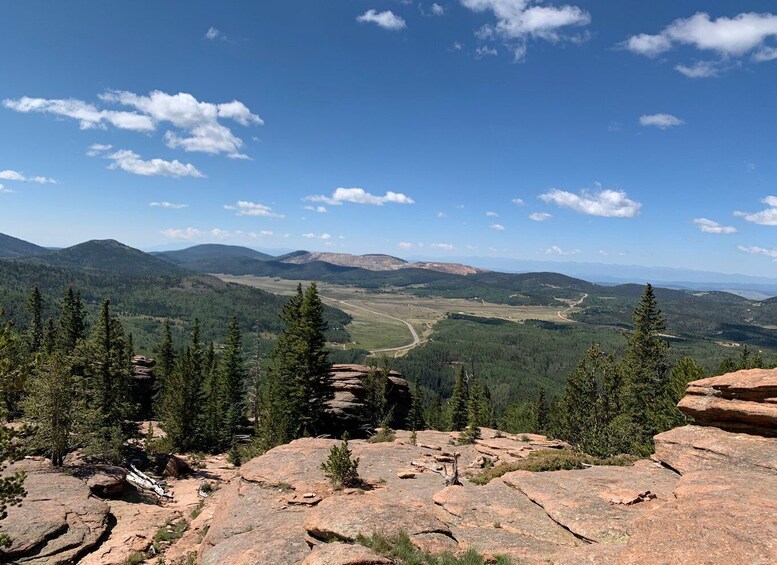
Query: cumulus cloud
<point>247,208</point>
<point>607,203</point>
<point>165,204</point>
<point>441,215</point>
<point>18,176</point>
<point>360,196</point>
<point>405,245</point>
<point>3,188</point>
<point>711,226</point>
<point>212,33</point>
<point>438,10</point>
<point>97,148</point>
<point>755,250</point>
<point>540,216</point>
<point>187,233</point>
<point>746,34</point>
<point>197,123</point>
<point>767,217</point>
<point>517,201</point>
<point>131,162</point>
<point>324,236</point>
<point>556,250</point>
<point>386,20</point>
<point>492,214</point>
<point>485,51</point>
<point>443,246</point>
<point>317,209</point>
<point>517,21</point>
<point>661,121</point>
<point>497,227</point>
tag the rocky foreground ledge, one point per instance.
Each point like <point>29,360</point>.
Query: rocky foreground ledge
<point>709,495</point>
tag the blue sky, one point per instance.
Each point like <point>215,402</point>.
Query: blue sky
<point>628,132</point>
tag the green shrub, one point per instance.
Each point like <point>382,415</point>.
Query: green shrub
<point>400,548</point>
<point>384,435</point>
<point>550,460</point>
<point>340,468</point>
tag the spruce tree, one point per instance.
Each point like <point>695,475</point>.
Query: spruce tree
<point>179,409</point>
<point>646,374</point>
<point>35,329</point>
<point>415,416</point>
<point>212,416</point>
<point>14,370</point>
<point>474,416</point>
<point>102,359</point>
<point>375,404</point>
<point>313,380</point>
<point>253,392</point>
<point>165,361</point>
<point>581,425</point>
<point>72,322</point>
<point>457,405</point>
<point>232,382</point>
<point>541,413</point>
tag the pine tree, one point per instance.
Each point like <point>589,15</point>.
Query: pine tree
<point>54,406</point>
<point>103,361</point>
<point>415,416</point>
<point>541,413</point>
<point>646,373</point>
<point>179,407</point>
<point>211,417</point>
<point>254,383</point>
<point>314,383</point>
<point>35,330</point>
<point>232,382</point>
<point>50,337</point>
<point>72,322</point>
<point>581,425</point>
<point>13,370</point>
<point>457,405</point>
<point>375,404</point>
<point>474,416</point>
<point>165,361</point>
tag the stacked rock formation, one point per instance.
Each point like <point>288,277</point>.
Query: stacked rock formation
<point>347,408</point>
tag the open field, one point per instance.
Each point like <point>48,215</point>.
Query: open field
<point>380,318</point>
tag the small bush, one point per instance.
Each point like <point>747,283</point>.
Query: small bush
<point>340,468</point>
<point>400,548</point>
<point>135,558</point>
<point>550,460</point>
<point>169,533</point>
<point>414,438</point>
<point>469,435</point>
<point>384,435</point>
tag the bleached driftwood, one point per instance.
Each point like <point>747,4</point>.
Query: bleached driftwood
<point>143,481</point>
<point>451,478</point>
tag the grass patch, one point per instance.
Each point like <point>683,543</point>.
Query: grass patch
<point>550,460</point>
<point>198,510</point>
<point>401,549</point>
<point>383,436</point>
<point>135,558</point>
<point>169,533</point>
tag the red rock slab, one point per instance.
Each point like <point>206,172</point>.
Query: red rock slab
<point>692,448</point>
<point>344,554</point>
<point>755,385</point>
<point>582,500</point>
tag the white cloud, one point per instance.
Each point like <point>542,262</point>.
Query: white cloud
<point>17,176</point>
<point>318,209</point>
<point>97,148</point>
<point>187,234</point>
<point>386,20</point>
<point>88,115</point>
<point>767,217</point>
<point>699,69</point>
<point>405,245</point>
<point>711,226</point>
<point>497,227</point>
<point>661,121</point>
<point>517,201</point>
<point>728,38</point>
<point>212,33</point>
<point>3,189</point>
<point>438,10</point>
<point>444,246</point>
<point>607,203</point>
<point>165,204</point>
<point>324,236</point>
<point>492,214</point>
<point>540,216</point>
<point>198,122</point>
<point>247,208</point>
<point>442,215</point>
<point>758,251</point>
<point>360,196</point>
<point>517,21</point>
<point>556,250</point>
<point>485,51</point>
<point>131,162</point>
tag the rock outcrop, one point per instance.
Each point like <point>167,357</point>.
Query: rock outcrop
<point>708,496</point>
<point>57,522</point>
<point>143,380</point>
<point>347,408</point>
<point>744,401</point>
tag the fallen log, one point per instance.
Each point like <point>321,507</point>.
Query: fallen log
<point>143,481</point>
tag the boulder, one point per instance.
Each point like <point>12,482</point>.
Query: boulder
<point>57,522</point>
<point>105,481</point>
<point>344,554</point>
<point>743,401</point>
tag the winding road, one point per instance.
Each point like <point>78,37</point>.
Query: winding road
<point>562,313</point>
<point>416,339</point>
